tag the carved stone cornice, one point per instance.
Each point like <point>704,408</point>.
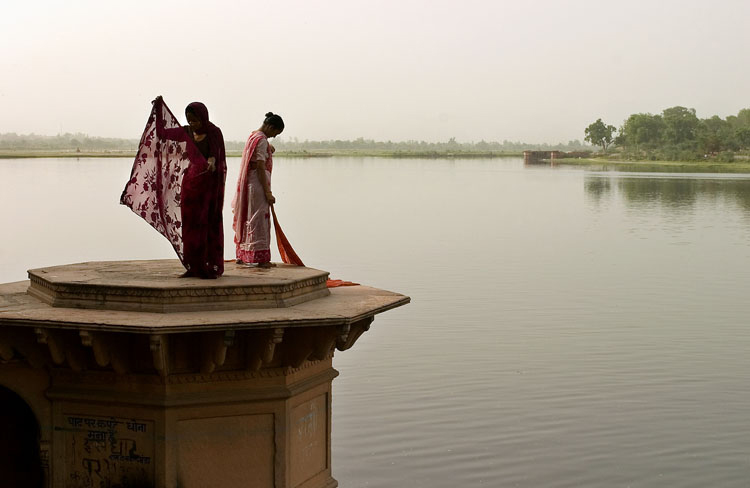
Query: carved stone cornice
<point>98,377</point>
<point>167,356</point>
<point>350,333</point>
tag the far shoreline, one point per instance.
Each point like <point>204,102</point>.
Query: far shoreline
<point>742,166</point>
<point>31,154</point>
<point>658,166</point>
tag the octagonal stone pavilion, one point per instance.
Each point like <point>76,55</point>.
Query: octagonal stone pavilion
<point>128,376</point>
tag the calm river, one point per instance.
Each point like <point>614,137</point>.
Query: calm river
<point>568,328</point>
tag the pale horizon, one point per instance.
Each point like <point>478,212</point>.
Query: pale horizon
<point>537,72</point>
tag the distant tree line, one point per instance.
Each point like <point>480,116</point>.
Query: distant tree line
<point>64,142</point>
<point>675,134</point>
<point>373,146</point>
<point>86,143</point>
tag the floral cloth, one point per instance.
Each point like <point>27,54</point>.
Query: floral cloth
<point>172,188</point>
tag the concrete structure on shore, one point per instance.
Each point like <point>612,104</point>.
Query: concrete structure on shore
<point>531,157</point>
<point>544,157</point>
<point>120,375</point>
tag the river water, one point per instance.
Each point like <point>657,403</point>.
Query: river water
<point>568,328</point>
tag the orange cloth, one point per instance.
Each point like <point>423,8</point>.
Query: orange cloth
<point>335,283</point>
<point>288,255</point>
<point>285,249</point>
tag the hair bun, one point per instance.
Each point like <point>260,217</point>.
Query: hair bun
<point>274,120</point>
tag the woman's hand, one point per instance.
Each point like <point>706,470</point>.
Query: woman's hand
<point>211,163</point>
<point>271,149</point>
<point>270,198</point>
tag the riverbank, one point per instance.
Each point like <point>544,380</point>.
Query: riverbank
<point>741,166</point>
<point>399,154</point>
<point>738,166</point>
<point>65,154</point>
<point>280,153</point>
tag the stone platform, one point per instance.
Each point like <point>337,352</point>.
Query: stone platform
<point>139,378</point>
<point>151,286</point>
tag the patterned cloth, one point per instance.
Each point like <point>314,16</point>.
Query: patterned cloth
<point>172,188</point>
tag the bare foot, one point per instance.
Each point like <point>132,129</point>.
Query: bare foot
<point>239,261</point>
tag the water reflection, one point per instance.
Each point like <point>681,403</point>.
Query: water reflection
<point>598,188</point>
<point>676,193</point>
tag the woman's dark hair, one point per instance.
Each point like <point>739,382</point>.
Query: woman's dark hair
<point>274,121</point>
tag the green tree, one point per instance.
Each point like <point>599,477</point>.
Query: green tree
<point>680,125</point>
<point>714,135</point>
<point>742,137</point>
<point>644,129</point>
<point>743,118</point>
<point>600,134</point>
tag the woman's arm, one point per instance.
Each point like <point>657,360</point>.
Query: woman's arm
<point>175,134</point>
<point>158,122</point>
<point>216,149</point>
<point>261,170</point>
<point>258,163</point>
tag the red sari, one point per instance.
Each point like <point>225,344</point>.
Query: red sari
<point>172,188</point>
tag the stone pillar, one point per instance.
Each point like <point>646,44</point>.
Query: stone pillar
<point>140,379</point>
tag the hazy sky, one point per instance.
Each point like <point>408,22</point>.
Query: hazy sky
<point>536,71</point>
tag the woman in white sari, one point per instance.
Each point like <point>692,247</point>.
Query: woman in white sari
<point>253,200</point>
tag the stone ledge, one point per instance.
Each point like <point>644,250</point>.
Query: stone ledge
<point>340,307</point>
<point>154,286</point>
<point>344,305</point>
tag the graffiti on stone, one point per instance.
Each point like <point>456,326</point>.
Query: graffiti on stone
<point>108,452</point>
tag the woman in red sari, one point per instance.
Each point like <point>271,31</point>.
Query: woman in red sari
<point>253,200</point>
<point>177,186</point>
